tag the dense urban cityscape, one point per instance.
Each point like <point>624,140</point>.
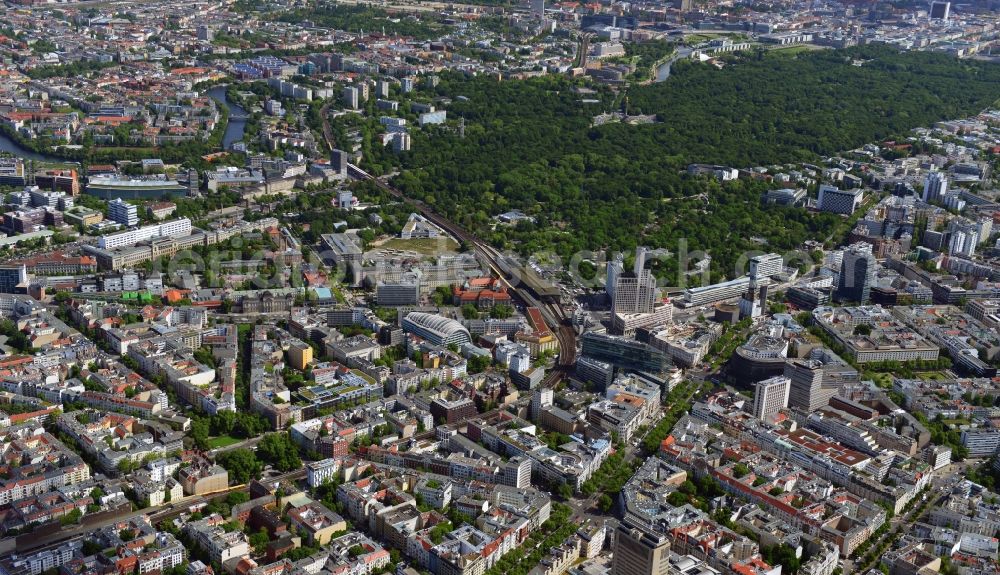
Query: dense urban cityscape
<point>328,287</point>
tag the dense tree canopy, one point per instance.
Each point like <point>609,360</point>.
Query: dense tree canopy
<point>242,465</point>
<point>776,108</point>
<point>362,17</point>
<point>279,450</point>
<point>532,145</point>
<point>645,54</point>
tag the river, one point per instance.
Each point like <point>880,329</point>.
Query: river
<point>663,70</point>
<point>234,132</point>
<point>9,145</point>
<point>236,128</point>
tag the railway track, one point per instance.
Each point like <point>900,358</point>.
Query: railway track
<point>555,316</point>
<point>155,514</point>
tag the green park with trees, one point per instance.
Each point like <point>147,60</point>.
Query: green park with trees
<point>532,145</point>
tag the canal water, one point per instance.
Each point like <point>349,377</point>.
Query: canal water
<point>234,131</point>
<point>10,146</point>
<point>236,128</point>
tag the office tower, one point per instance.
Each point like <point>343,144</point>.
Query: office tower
<point>635,292</point>
<point>640,260</point>
<point>857,274</point>
<point>321,61</point>
<point>765,266</point>
<point>817,378</point>
<point>964,238</point>
<point>13,279</point>
<point>351,97</point>
<point>593,371</point>
<point>338,161</point>
<point>540,399</point>
<point>516,472</point>
<point>615,269</point>
<point>205,34</point>
<point>401,142</point>
<point>770,396</point>
<point>985,226</point>
<point>624,353</point>
<point>935,187</point>
<point>193,182</point>
<point>962,243</point>
<point>940,10</point>
<point>934,240</point>
<point>806,389</point>
<point>538,9</point>
<point>405,291</point>
<point>122,212</point>
<point>953,201</point>
<point>640,551</point>
<point>336,62</point>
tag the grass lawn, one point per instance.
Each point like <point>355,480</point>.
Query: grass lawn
<point>697,38</point>
<point>423,246</point>
<point>931,375</point>
<point>57,165</point>
<point>222,441</point>
<point>363,376</point>
<point>790,50</point>
<point>883,380</point>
